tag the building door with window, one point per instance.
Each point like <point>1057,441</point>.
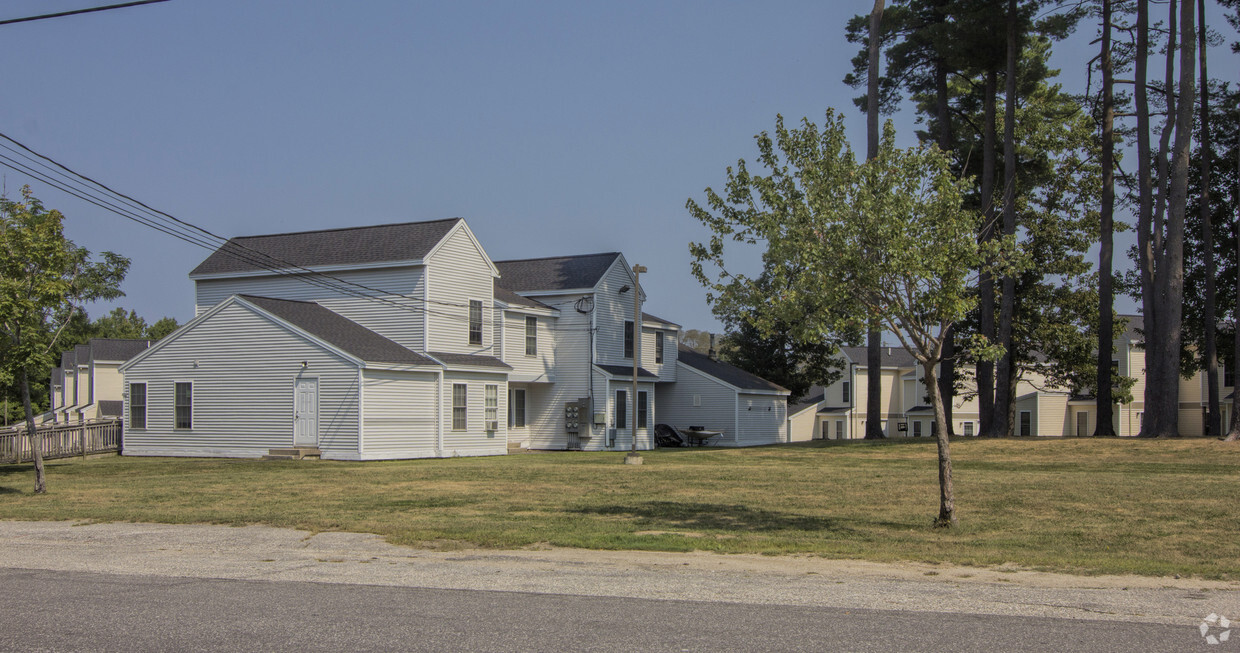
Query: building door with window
<point>306,413</point>
<point>1082,424</point>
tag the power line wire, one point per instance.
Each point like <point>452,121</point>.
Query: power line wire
<point>75,12</point>
<point>181,230</point>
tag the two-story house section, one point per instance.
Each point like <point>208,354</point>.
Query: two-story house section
<point>363,343</point>
<point>586,305</point>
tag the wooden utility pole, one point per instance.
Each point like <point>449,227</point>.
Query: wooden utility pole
<point>634,458</point>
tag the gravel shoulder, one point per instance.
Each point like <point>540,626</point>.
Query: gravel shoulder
<point>262,553</point>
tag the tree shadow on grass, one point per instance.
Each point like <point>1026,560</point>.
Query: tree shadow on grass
<point>9,490</point>
<point>11,469</point>
<point>717,516</point>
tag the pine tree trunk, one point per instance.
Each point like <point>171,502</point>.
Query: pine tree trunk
<point>1106,294</point>
<point>1007,305</point>
<point>1145,206</point>
<point>1214,411</point>
<point>32,434</point>
<point>947,384</point>
<point>1233,433</point>
<point>1172,282</point>
<point>986,283</point>
<point>874,366</point>
<point>947,501</point>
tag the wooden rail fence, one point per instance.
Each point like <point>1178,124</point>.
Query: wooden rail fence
<point>63,441</point>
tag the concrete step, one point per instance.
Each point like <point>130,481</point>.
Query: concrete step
<point>293,453</point>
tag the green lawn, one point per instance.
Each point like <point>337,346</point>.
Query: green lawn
<point>1083,506</point>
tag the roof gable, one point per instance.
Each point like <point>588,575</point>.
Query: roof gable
<point>338,331</point>
<point>388,243</point>
<point>729,374</point>
<point>555,273</point>
<point>116,349</point>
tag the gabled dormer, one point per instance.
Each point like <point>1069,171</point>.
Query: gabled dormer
<point>376,276</point>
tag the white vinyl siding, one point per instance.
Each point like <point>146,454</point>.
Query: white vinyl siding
<point>399,317</point>
<point>612,310</point>
<point>697,400</point>
<point>474,440</point>
<point>762,420</point>
<point>666,370</point>
<point>565,351</point>
<point>541,366</point>
<point>399,414</point>
<point>243,367</point>
<point>458,272</point>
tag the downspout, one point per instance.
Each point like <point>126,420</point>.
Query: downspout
<point>439,416</point>
<point>361,411</point>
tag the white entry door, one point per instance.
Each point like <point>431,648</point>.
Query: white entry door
<point>306,413</point>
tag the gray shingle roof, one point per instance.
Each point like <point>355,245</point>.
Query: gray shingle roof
<point>892,356</point>
<point>338,330</point>
<point>815,395</point>
<point>351,246</point>
<point>513,299</point>
<point>1135,331</point>
<point>111,407</point>
<point>81,353</point>
<point>116,349</point>
<point>725,372</point>
<point>626,371</point>
<point>58,376</point>
<point>67,361</point>
<point>470,360</point>
<point>556,273</point>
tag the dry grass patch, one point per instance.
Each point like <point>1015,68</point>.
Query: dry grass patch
<point>1087,506</point>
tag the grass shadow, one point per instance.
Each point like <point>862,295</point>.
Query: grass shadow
<point>715,516</point>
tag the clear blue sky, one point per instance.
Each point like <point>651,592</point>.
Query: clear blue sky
<point>553,128</point>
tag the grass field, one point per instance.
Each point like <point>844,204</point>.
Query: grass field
<point>1075,505</point>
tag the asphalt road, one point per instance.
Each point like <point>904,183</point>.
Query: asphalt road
<point>80,611</point>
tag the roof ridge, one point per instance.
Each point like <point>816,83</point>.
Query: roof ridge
<point>548,258</point>
<point>277,299</point>
<point>335,229</point>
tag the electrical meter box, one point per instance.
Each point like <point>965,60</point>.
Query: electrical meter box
<point>576,417</point>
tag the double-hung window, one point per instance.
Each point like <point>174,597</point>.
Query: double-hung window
<point>531,335</point>
<point>846,391</point>
<point>628,338</point>
<point>475,322</point>
<point>137,405</point>
<point>184,405</point>
<point>460,398</point>
<point>622,408</point>
<point>658,347</point>
<point>492,406</point>
<point>641,409</point>
<point>516,408</point>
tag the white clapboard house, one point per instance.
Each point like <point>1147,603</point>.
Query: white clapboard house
<point>401,341</point>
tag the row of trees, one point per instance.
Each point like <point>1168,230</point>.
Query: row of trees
<point>1038,182</point>
<point>45,279</point>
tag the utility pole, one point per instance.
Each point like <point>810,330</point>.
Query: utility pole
<point>634,458</point>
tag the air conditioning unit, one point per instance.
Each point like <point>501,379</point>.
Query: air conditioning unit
<point>493,426</point>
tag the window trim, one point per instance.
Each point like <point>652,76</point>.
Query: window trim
<point>643,409</point>
<point>531,335</point>
<point>621,409</point>
<point>630,347</point>
<point>176,418</point>
<point>475,304</point>
<point>658,347</point>
<point>846,390</point>
<point>463,407</point>
<point>966,428</point>
<point>145,403</point>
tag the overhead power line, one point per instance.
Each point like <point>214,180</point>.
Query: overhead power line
<point>89,10</point>
<point>36,165</point>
